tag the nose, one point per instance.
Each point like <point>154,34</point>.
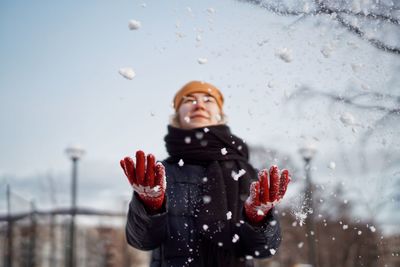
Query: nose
<point>199,104</point>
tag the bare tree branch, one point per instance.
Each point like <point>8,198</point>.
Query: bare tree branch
<point>348,100</point>
<point>377,43</point>
<point>320,7</point>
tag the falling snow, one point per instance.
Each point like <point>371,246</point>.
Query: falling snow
<point>199,135</point>
<point>223,151</point>
<point>134,25</point>
<point>332,165</point>
<point>206,199</point>
<point>347,119</point>
<point>356,67</point>
<point>285,54</point>
<point>127,73</point>
<point>237,175</point>
<point>202,60</point>
<point>181,163</point>
<point>327,50</point>
<point>210,10</point>
<point>300,217</point>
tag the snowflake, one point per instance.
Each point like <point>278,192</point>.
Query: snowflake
<point>134,25</point>
<point>127,73</point>
<point>181,163</point>
<point>223,151</point>
<point>202,60</point>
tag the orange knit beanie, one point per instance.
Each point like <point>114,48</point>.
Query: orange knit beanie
<point>198,87</point>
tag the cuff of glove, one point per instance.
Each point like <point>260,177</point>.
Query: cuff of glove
<point>257,219</point>
<point>152,206</point>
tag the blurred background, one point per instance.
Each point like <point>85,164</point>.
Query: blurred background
<point>312,86</point>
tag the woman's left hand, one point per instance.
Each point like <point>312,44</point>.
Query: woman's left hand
<point>264,195</point>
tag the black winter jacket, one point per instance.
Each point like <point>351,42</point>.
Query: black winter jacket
<point>172,233</point>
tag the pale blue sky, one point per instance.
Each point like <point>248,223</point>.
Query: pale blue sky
<point>59,84</point>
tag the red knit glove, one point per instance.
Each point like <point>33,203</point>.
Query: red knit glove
<point>262,196</point>
<point>150,184</point>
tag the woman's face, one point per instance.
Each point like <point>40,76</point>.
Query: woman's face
<point>198,110</point>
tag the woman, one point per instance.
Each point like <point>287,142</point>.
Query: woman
<point>198,207</point>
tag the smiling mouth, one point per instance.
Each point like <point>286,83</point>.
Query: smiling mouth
<point>199,116</point>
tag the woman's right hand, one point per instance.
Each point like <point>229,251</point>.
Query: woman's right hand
<point>147,179</point>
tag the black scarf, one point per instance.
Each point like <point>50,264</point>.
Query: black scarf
<point>223,154</point>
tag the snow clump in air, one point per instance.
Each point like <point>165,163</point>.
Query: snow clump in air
<point>327,50</point>
<point>356,67</point>
<point>301,217</point>
<point>347,119</point>
<point>332,165</point>
<point>236,176</point>
<point>206,199</point>
<point>134,25</point>
<point>210,10</point>
<point>202,60</point>
<point>127,73</point>
<point>285,54</point>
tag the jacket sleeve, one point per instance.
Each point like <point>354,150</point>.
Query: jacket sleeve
<point>143,230</point>
<point>260,241</point>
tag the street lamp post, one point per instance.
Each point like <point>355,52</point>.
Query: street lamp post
<point>9,254</point>
<point>307,152</point>
<point>74,153</point>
